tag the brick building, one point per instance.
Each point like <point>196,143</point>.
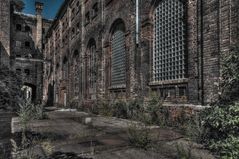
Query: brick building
<point>21,43</point>
<point>27,34</point>
<point>123,49</point>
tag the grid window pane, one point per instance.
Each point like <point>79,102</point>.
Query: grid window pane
<point>118,59</point>
<point>92,67</point>
<point>169,41</point>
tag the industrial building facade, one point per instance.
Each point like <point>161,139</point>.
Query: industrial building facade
<point>124,49</point>
<point>21,40</point>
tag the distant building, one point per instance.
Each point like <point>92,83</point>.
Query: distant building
<point>22,45</point>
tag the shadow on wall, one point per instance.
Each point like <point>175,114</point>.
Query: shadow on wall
<point>4,57</point>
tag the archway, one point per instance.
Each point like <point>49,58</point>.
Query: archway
<point>29,91</point>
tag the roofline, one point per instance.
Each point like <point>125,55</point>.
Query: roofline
<point>59,15</point>
<point>31,16</point>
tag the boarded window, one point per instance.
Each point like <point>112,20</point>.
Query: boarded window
<point>118,59</point>
<point>18,44</point>
<point>169,41</point>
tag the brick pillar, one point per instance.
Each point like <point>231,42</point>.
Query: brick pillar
<point>39,8</point>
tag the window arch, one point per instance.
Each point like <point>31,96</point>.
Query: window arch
<point>92,67</point>
<point>76,73</point>
<point>169,41</point>
<point>65,67</point>
<point>118,57</point>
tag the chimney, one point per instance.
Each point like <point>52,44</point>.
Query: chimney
<point>38,42</point>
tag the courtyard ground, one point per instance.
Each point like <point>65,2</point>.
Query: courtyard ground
<point>73,134</point>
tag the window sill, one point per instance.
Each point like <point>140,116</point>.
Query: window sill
<point>168,82</point>
<point>123,86</point>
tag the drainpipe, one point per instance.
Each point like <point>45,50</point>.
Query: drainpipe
<point>202,46</point>
<point>137,22</point>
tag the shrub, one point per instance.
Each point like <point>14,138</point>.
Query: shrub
<point>74,102</point>
<point>120,109</point>
<point>230,76</point>
<point>156,111</point>
<point>25,113</point>
<point>221,121</point>
<point>139,135</point>
<point>29,111</point>
<point>135,109</point>
<point>222,125</point>
<point>10,89</point>
<point>183,152</point>
<point>104,107</point>
<point>39,112</point>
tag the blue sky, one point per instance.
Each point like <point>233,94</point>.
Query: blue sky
<point>50,7</point>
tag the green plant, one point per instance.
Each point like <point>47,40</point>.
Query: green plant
<point>10,89</point>
<point>157,112</point>
<point>183,152</point>
<point>25,113</point>
<point>139,135</point>
<point>74,102</point>
<point>47,147</point>
<point>135,109</point>
<point>119,109</point>
<point>230,76</point>
<point>39,112</point>
<point>194,129</point>
<point>104,107</point>
<point>222,125</point>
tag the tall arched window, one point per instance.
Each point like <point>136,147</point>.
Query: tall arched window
<point>65,68</point>
<point>92,67</point>
<point>169,41</point>
<point>118,58</point>
<point>76,72</point>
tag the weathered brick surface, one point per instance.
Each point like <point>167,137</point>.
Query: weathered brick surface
<point>29,58</point>
<point>4,31</point>
<point>212,28</point>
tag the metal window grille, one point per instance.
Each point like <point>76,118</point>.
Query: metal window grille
<point>169,41</point>
<point>118,59</point>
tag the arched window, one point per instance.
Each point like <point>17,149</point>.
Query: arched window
<point>76,72</point>
<point>92,67</point>
<point>118,59</point>
<point>65,68</point>
<point>169,41</point>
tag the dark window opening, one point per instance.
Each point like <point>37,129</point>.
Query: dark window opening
<point>19,27</point>
<point>77,28</point>
<point>27,29</point>
<point>27,72</point>
<point>27,44</point>
<point>43,30</point>
<point>87,18</point>
<point>18,71</point>
<point>95,10</point>
<point>73,31</point>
